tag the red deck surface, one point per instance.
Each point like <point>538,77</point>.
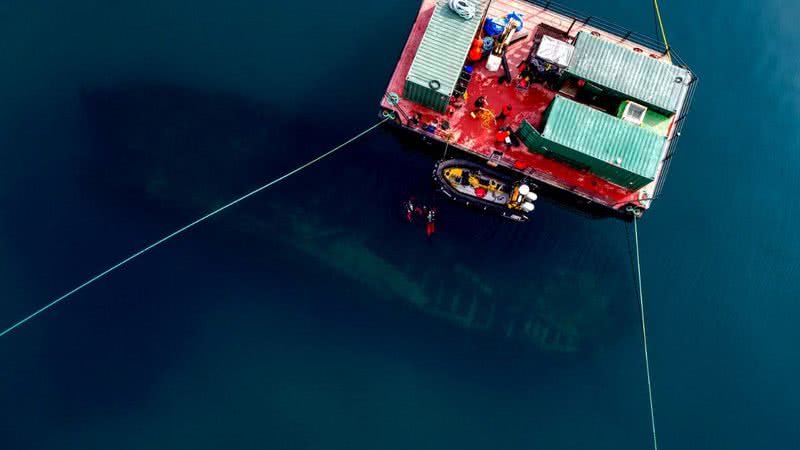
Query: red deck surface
<point>470,135</point>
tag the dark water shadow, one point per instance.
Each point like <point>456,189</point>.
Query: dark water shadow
<point>174,152</point>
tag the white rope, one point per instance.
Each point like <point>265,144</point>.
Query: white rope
<point>186,227</point>
<point>644,334</point>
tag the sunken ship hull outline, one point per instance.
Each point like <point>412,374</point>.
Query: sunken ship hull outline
<point>141,158</point>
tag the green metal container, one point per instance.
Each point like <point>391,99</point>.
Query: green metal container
<point>615,150</point>
<point>652,82</point>
<point>440,57</point>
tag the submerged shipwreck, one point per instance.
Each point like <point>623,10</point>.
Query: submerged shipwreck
<point>534,99</point>
<point>181,152</point>
<point>588,111</point>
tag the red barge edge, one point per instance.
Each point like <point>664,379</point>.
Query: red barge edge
<point>581,185</point>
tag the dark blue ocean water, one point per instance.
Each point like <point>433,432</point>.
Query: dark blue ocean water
<point>233,337</point>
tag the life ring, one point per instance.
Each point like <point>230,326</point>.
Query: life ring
<point>637,50</point>
<point>434,84</point>
<point>595,34</point>
<point>654,56</point>
<point>393,99</point>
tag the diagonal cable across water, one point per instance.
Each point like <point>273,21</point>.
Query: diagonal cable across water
<point>644,333</point>
<point>188,226</point>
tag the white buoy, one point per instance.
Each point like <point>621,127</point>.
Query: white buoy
<point>524,189</point>
<point>532,196</point>
<point>527,206</point>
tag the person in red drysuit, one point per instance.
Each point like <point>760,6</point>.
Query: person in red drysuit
<point>506,112</point>
<point>431,219</point>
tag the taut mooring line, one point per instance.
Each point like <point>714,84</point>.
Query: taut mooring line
<point>186,227</point>
<point>663,32</point>
<point>644,334</point>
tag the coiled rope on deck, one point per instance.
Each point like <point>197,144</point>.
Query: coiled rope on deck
<point>644,333</point>
<point>190,225</point>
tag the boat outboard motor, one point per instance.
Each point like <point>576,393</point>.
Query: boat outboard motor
<point>527,207</point>
<point>523,191</point>
<point>532,196</point>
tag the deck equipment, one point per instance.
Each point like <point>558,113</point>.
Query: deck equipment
<point>599,109</point>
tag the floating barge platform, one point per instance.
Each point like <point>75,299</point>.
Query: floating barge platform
<point>594,111</point>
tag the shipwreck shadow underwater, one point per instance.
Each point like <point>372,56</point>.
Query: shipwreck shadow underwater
<point>176,152</point>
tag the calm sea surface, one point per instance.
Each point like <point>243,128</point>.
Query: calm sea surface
<point>230,338</point>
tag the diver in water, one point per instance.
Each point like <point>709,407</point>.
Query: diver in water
<point>431,222</point>
<point>411,208</point>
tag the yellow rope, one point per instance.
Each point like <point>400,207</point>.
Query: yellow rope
<point>663,33</point>
<point>487,118</point>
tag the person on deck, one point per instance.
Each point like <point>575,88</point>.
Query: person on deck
<point>480,103</point>
<point>502,136</point>
<point>524,76</point>
<point>505,136</point>
<point>506,112</point>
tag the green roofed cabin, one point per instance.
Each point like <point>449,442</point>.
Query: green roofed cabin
<point>600,109</point>
<point>629,74</point>
<point>615,150</point>
<point>440,58</point>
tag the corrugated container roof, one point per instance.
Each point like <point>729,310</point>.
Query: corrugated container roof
<point>444,47</point>
<point>636,75</point>
<point>604,137</point>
